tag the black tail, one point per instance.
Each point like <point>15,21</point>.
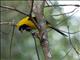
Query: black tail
<point>55,29</point>
<point>58,31</point>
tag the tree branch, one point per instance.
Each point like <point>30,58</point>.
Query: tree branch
<point>33,35</point>
<point>14,9</point>
<point>66,53</point>
<point>31,10</point>
<point>30,15</point>
<point>38,11</point>
<point>71,42</point>
<point>11,40</point>
<point>76,5</point>
<point>65,13</point>
<point>7,23</point>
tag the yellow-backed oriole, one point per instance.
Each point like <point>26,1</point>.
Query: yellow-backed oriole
<point>27,24</point>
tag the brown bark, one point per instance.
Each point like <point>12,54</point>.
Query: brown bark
<point>38,11</point>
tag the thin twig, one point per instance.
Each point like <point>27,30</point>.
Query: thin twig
<point>65,19</point>
<point>14,9</point>
<point>7,23</point>
<point>70,32</point>
<point>76,5</point>
<point>47,2</point>
<point>13,28</point>
<point>66,54</point>
<point>31,2</point>
<point>51,3</point>
<point>65,13</point>
<point>71,42</point>
<point>31,10</point>
<point>2,32</point>
<point>33,35</point>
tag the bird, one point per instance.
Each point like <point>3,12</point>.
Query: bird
<point>27,25</point>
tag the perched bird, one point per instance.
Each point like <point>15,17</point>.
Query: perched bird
<point>27,24</point>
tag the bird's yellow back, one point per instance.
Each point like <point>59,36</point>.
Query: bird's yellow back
<point>27,22</point>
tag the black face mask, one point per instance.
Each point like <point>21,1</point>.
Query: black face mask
<point>24,27</point>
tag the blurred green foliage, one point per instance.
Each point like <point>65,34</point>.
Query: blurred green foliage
<point>23,47</point>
